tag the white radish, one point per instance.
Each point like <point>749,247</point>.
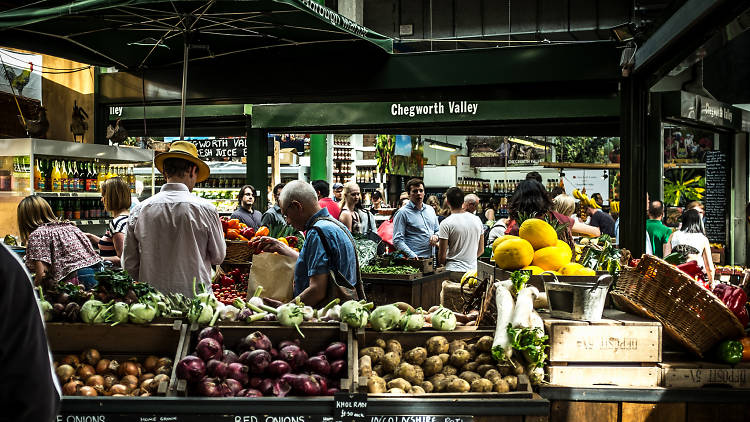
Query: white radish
<point>535,321</point>
<point>524,307</point>
<point>501,349</point>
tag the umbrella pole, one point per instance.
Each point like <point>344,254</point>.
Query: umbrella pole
<point>186,49</point>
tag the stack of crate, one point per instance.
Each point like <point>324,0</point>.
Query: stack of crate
<point>621,350</point>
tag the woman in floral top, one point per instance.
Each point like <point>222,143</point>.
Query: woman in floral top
<point>55,250</point>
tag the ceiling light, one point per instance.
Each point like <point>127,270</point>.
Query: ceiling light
<point>623,32</point>
<point>525,142</point>
<point>443,146</point>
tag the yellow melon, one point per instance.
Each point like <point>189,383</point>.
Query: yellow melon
<point>538,232</point>
<point>552,257</point>
<point>502,239</point>
<point>571,268</point>
<point>585,271</point>
<point>534,269</point>
<point>513,254</point>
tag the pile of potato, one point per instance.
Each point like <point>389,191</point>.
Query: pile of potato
<point>439,367</point>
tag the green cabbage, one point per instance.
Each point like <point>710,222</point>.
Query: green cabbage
<point>119,313</point>
<point>385,317</point>
<point>92,310</point>
<point>443,319</point>
<point>354,313</point>
<point>142,313</point>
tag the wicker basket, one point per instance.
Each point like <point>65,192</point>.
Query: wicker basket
<point>689,313</point>
<point>238,252</point>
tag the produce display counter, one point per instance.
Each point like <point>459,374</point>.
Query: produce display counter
<point>419,290</point>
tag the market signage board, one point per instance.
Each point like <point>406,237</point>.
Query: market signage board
<point>319,115</point>
<point>701,109</point>
<point>715,200</point>
<point>221,149</point>
<point>135,417</point>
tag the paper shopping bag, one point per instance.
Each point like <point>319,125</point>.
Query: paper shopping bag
<point>275,273</point>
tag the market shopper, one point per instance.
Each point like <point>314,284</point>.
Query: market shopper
<point>377,200</point>
<point>531,200</point>
<point>600,219</point>
<point>415,227</point>
<point>55,250</point>
<point>461,236</point>
<point>314,283</point>
<point>566,205</point>
<point>245,212</point>
<point>658,234</point>
<point>116,198</point>
<point>322,190</point>
<point>692,243</point>
<point>273,214</point>
<point>338,192</point>
<point>174,236</point>
<point>349,207</point>
<point>30,391</point>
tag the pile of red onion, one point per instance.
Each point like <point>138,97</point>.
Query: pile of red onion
<point>257,368</point>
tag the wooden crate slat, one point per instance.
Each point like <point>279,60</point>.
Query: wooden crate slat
<point>702,374</point>
<point>594,375</point>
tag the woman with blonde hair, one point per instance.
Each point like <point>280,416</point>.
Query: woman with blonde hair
<point>116,199</point>
<point>55,250</point>
<point>350,198</point>
<point>566,205</point>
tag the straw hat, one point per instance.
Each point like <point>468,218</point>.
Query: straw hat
<point>186,151</point>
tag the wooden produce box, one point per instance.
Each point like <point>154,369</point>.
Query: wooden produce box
<point>424,265</point>
<point>417,291</point>
<point>317,337</point>
<point>601,375</point>
<point>704,374</point>
<point>409,340</point>
<point>619,337</point>
<point>120,342</point>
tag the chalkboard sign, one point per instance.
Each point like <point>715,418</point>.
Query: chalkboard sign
<point>716,196</point>
<point>138,417</point>
<point>349,407</point>
<point>221,149</point>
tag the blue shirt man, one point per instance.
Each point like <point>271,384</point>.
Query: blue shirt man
<point>415,226</point>
<point>313,259</point>
<point>298,203</point>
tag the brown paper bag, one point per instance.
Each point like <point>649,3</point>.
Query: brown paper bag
<point>275,273</point>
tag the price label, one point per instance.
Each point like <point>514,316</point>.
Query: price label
<point>350,407</point>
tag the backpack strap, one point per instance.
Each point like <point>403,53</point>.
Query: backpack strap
<point>327,247</point>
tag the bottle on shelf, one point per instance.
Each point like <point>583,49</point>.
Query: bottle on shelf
<point>37,175</point>
<point>131,179</point>
<point>101,176</point>
<point>77,209</point>
<point>56,177</point>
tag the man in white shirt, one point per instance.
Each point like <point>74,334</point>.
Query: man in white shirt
<point>174,236</point>
<point>461,236</point>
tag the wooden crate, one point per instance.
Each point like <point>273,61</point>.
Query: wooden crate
<point>410,340</point>
<point>424,265</point>
<point>119,342</point>
<point>599,375</point>
<point>703,374</point>
<point>618,337</point>
<point>317,337</point>
<point>418,292</point>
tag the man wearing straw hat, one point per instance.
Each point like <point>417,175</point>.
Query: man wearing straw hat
<point>174,236</point>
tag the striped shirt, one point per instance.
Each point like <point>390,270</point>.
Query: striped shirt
<point>118,224</point>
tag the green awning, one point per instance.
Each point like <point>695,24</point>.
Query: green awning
<point>133,34</point>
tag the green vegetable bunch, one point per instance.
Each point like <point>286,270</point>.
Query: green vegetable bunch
<point>394,269</point>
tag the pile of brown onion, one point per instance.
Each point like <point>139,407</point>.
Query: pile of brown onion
<point>91,375</point>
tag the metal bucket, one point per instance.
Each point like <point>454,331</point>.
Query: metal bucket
<point>582,301</point>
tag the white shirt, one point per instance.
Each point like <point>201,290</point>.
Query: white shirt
<point>462,231</point>
<point>173,237</point>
